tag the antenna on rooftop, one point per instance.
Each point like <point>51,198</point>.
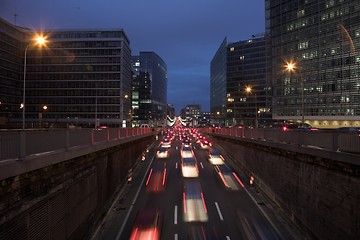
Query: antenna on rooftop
<point>15,15</point>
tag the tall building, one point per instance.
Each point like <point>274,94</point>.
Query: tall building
<point>82,77</point>
<point>218,84</point>
<point>246,70</point>
<point>322,39</point>
<point>149,89</point>
<point>11,69</point>
<point>235,67</point>
<point>192,114</point>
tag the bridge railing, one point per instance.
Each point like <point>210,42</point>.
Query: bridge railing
<point>17,144</point>
<point>324,139</point>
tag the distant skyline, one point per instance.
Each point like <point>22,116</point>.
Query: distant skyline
<point>185,34</point>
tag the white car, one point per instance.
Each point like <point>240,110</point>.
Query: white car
<point>162,152</point>
<point>189,167</point>
<point>215,157</point>
<point>194,205</point>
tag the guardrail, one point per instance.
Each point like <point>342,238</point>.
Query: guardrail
<point>17,144</point>
<point>323,139</point>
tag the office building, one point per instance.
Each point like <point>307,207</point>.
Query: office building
<point>149,90</point>
<point>191,114</point>
<point>321,38</point>
<point>81,77</point>
<point>11,69</point>
<point>235,67</point>
<point>247,101</point>
<point>218,84</point>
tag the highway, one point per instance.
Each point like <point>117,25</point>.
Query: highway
<point>224,210</point>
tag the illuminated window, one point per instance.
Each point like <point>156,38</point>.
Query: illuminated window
<point>301,13</point>
<point>135,95</point>
<point>242,57</point>
<point>303,45</point>
<point>232,49</point>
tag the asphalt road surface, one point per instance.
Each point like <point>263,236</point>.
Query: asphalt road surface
<point>242,213</point>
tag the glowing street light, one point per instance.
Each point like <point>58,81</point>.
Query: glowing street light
<point>248,89</point>
<point>40,41</point>
<point>291,67</point>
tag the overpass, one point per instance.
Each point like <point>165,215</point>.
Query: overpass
<point>59,184</point>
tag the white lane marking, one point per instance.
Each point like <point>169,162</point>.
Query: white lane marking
<point>175,214</point>
<point>202,166</point>
<point>219,212</point>
<point>176,165</point>
<point>227,238</point>
<point>175,236</point>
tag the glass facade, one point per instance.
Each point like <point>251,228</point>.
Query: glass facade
<point>11,77</point>
<point>218,84</point>
<point>83,77</point>
<point>322,38</point>
<point>246,64</point>
<point>149,89</point>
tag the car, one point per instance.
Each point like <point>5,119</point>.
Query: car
<point>165,143</point>
<point>348,129</point>
<point>205,144</point>
<point>194,206</point>
<point>186,141</point>
<point>228,177</point>
<point>187,152</point>
<point>294,126</point>
<point>215,157</point>
<point>147,225</point>
<point>156,180</point>
<point>162,152</point>
<point>189,167</point>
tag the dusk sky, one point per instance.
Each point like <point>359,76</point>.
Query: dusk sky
<point>184,33</point>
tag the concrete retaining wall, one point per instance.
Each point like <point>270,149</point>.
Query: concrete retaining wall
<point>65,200</point>
<point>319,193</point>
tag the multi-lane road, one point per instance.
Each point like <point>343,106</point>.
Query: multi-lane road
<point>207,206</point>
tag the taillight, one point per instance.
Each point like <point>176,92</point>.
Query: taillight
<point>147,182</point>
<point>184,201</point>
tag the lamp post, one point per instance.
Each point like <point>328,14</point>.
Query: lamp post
<point>122,98</point>
<point>96,107</point>
<point>249,90</point>
<point>291,67</point>
<point>41,114</point>
<point>40,40</point>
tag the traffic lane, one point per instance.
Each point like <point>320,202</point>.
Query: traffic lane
<point>235,208</point>
<point>171,199</point>
<point>168,201</point>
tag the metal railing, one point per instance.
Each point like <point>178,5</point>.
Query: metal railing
<point>322,139</point>
<point>18,144</point>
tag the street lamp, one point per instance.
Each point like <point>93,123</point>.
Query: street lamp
<point>41,114</point>
<point>123,97</point>
<point>39,40</point>
<point>291,67</point>
<point>248,89</point>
